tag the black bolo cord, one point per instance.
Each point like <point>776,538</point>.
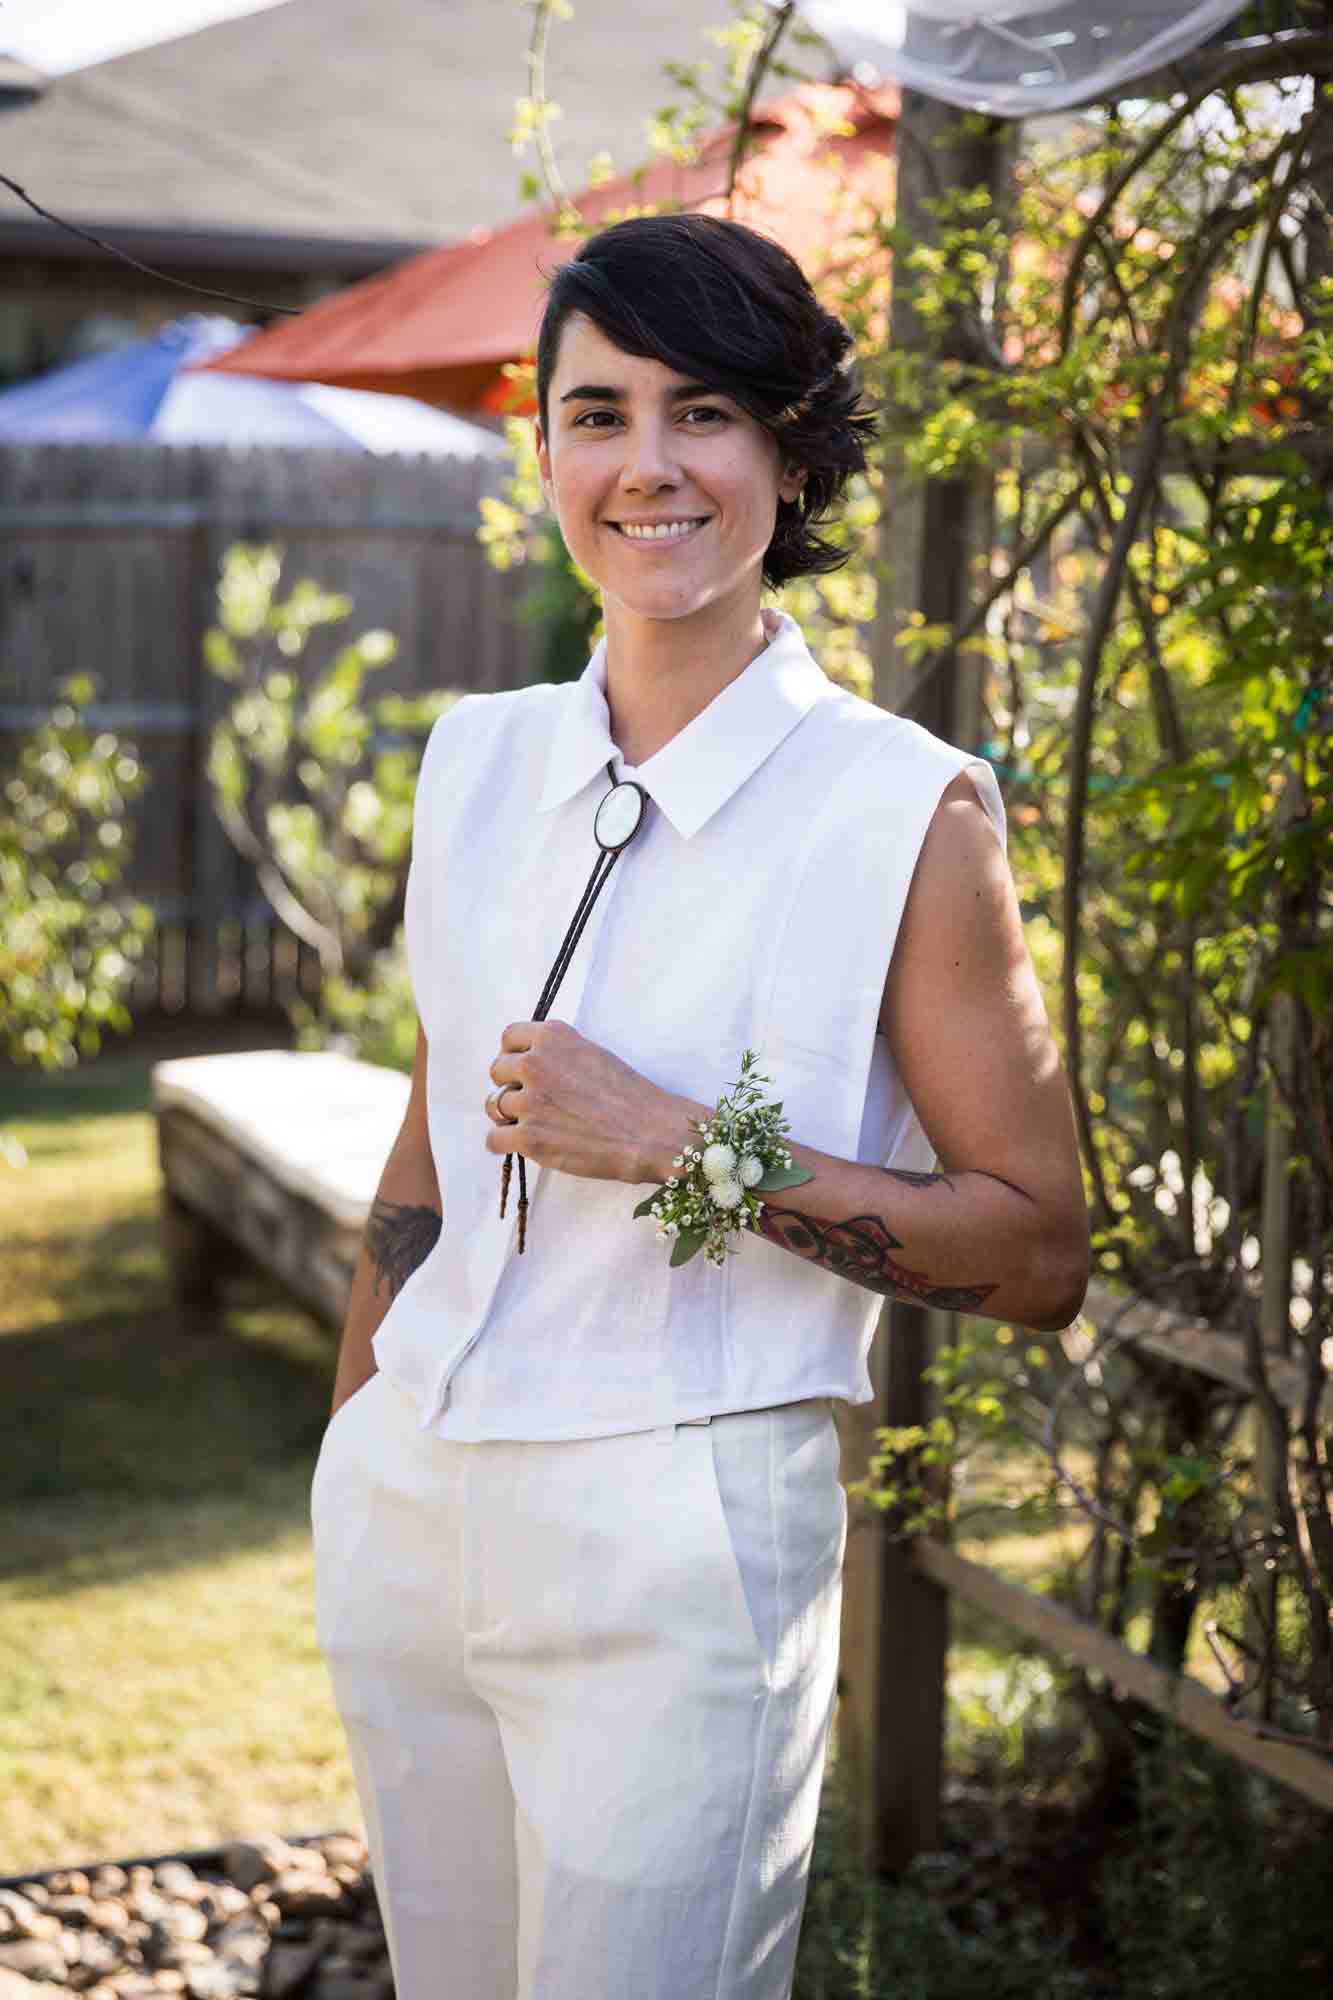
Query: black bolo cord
<point>607,857</point>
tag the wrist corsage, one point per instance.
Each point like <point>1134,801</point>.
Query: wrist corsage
<point>716,1188</point>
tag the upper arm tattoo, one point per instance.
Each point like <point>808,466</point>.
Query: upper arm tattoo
<point>398,1238</point>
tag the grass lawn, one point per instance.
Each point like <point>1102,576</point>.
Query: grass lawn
<point>160,1686</point>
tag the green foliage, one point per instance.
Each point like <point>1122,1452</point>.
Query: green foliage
<point>930,1936</point>
<point>69,943</point>
<point>315,783</point>
<point>1216,1887</point>
<point>562,604</point>
<point>1221,1887</point>
<point>374,1019</point>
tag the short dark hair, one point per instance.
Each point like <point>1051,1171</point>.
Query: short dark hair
<point>721,303</point>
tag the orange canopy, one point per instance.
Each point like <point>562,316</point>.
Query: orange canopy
<point>442,326</point>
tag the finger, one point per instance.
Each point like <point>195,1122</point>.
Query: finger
<point>508,1139</point>
<point>519,1035</point>
<point>506,1069</point>
<point>505,1113</point>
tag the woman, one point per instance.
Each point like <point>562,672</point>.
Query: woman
<point>579,1536</point>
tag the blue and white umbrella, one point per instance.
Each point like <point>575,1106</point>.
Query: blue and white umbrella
<point>146,390</point>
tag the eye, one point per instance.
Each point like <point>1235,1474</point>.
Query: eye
<point>586,420</point>
<point>706,410</point>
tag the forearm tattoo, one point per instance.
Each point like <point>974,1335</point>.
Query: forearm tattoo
<point>398,1238</point>
<point>860,1248</point>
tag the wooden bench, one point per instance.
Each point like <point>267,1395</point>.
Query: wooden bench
<point>270,1160</point>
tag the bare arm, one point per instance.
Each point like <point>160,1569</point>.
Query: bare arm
<point>404,1223</point>
<point>1002,1228</point>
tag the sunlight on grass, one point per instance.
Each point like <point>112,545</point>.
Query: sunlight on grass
<point>160,1684</point>
<point>171,1710</point>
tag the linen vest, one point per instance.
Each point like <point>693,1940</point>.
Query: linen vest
<point>757,907</point>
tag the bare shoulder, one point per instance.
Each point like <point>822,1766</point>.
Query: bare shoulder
<point>960,830</point>
<point>961,921</point>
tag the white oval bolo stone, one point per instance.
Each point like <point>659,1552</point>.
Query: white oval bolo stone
<point>618,815</point>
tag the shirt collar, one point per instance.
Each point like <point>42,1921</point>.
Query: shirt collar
<point>697,771</point>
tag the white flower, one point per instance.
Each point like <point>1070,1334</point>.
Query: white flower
<point>726,1191</point>
<point>751,1171</point>
<point>671,1180</point>
<point>679,1160</point>
<point>719,1162</point>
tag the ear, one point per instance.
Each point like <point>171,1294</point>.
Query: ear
<point>791,482</point>
<point>543,461</point>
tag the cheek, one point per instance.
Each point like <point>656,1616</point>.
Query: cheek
<point>574,498</point>
<point>746,486</point>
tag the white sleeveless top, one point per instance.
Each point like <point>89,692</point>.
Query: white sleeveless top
<point>756,907</point>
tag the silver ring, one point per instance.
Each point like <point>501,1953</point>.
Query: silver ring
<point>499,1103</point>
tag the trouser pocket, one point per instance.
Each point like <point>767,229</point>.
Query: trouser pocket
<point>342,1492</point>
<point>781,1512</point>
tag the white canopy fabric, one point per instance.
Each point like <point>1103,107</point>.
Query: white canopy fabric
<point>1014,58</point>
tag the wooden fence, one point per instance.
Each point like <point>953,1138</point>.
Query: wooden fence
<point>896,1600</point>
<point>109,560</point>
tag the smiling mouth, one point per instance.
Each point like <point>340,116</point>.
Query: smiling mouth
<point>658,533</point>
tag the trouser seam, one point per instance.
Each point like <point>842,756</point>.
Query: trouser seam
<point>764,1703</point>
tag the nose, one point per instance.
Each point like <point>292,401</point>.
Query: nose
<point>649,463</point>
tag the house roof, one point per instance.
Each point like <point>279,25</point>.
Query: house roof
<point>19,82</point>
<point>329,119</point>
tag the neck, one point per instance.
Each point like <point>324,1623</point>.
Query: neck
<point>662,672</point>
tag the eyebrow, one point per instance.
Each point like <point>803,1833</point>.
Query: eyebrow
<point>602,392</point>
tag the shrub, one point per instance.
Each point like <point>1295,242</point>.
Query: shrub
<point>69,944</point>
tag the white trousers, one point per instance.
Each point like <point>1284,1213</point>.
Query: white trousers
<point>586,1688</point>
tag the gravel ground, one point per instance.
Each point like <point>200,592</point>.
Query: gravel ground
<point>268,1917</point>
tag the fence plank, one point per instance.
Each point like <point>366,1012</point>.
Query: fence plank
<point>1194,1344</point>
<point>1304,1771</point>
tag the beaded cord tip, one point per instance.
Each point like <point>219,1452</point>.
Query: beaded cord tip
<point>522,1221</point>
<point>505,1172</point>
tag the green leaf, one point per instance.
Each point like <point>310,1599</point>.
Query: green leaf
<point>645,1207</point>
<point>687,1245</point>
<point>782,1177</point>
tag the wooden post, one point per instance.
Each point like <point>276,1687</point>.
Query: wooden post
<point>1275,1281</point>
<point>895,1618</point>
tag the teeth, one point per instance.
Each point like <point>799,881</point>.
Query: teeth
<point>662,531</point>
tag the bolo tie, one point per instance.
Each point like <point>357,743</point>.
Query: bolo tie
<point>618,819</point>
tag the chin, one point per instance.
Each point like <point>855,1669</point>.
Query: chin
<point>660,605</point>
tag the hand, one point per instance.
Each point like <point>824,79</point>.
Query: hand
<point>579,1108</point>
